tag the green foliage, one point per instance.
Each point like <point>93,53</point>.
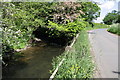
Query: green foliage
<point>17,26</point>
<point>78,63</point>
<point>113,17</point>
<point>70,29</point>
<point>115,28</point>
<point>56,26</point>
<point>91,11</point>
<point>40,11</point>
<point>76,26</point>
<point>20,19</point>
<point>26,17</point>
<point>13,37</point>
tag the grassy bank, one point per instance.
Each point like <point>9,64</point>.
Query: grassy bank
<point>78,62</point>
<point>115,28</point>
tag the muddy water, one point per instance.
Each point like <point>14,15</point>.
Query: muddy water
<point>36,62</point>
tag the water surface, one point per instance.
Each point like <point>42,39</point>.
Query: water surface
<point>36,62</point>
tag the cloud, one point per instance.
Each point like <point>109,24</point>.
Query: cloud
<point>107,5</point>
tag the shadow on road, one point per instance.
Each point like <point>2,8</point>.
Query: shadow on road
<point>116,72</point>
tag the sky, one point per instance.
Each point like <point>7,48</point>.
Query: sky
<point>106,7</point>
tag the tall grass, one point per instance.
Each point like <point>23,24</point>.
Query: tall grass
<point>78,62</point>
<point>115,28</point>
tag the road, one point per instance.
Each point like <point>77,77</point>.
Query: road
<point>105,51</point>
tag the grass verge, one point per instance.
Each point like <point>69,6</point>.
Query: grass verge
<point>115,28</point>
<point>78,62</point>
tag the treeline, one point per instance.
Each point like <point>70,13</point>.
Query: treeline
<point>22,21</point>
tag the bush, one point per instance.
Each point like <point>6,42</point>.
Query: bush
<point>114,29</point>
<point>71,28</point>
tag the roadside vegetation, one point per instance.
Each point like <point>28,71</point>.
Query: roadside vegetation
<point>53,22</point>
<point>115,28</point>
<point>78,61</point>
<point>97,26</point>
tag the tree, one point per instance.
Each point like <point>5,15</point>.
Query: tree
<point>91,10</point>
<point>66,11</point>
<point>113,17</point>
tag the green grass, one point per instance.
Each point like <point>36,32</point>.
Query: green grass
<point>78,62</point>
<point>115,28</point>
<point>97,26</point>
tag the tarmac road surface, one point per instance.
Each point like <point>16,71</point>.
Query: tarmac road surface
<point>105,51</point>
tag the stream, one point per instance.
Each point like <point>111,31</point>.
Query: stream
<point>35,63</point>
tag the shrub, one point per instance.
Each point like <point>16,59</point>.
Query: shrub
<point>70,28</point>
<point>114,29</point>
